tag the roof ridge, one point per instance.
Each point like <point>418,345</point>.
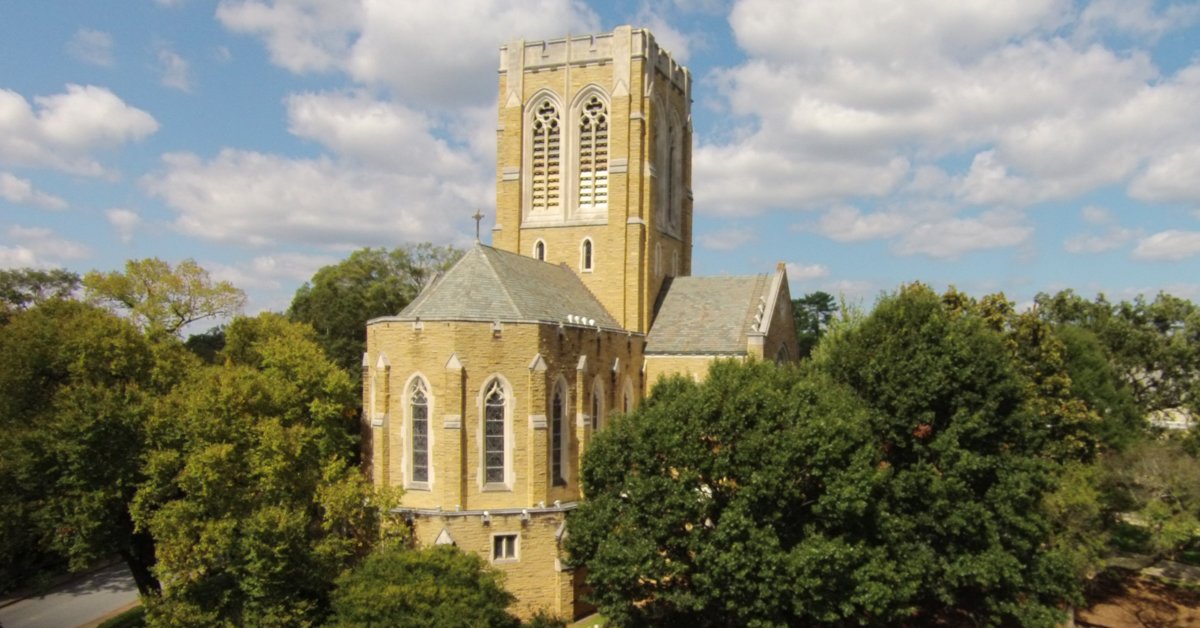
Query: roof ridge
<point>499,279</point>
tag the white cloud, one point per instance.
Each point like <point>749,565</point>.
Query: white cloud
<point>271,272</point>
<point>806,272</point>
<point>256,199</point>
<point>371,132</point>
<point>726,239</point>
<point>1170,178</point>
<point>17,190</point>
<point>670,38</point>
<point>1112,237</point>
<point>1099,216</point>
<point>173,68</point>
<point>92,46</point>
<point>848,224</point>
<point>384,43</point>
<point>38,247</point>
<point>1172,245</point>
<point>124,222</point>
<point>952,238</point>
<point>65,129</point>
<point>1135,17</point>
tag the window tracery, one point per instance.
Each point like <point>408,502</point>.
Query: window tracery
<point>593,154</point>
<point>419,426</point>
<point>546,158</point>
<point>494,409</point>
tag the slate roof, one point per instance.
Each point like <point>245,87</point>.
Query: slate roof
<point>488,284</point>
<point>706,315</point>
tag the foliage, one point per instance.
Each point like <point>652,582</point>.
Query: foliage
<point>899,479</point>
<point>76,383</point>
<point>1153,345</point>
<point>341,298</point>
<point>1097,383</point>
<point>21,288</point>
<point>813,314</point>
<point>1078,508</point>
<point>438,586</point>
<point>1157,484</point>
<point>160,298</point>
<point>249,493</point>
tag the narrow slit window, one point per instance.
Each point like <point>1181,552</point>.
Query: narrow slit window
<point>539,250</point>
<point>557,434</point>
<point>586,254</point>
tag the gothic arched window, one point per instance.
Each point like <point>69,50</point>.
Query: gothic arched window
<point>585,254</point>
<point>546,158</point>
<point>495,410</point>
<point>539,250</point>
<point>558,435</point>
<point>593,154</point>
<point>418,412</point>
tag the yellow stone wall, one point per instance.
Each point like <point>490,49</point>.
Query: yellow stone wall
<point>638,78</point>
<point>457,359</point>
<point>694,366</point>
<point>537,578</point>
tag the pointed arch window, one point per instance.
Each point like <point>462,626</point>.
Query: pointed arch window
<point>418,404</point>
<point>546,156</point>
<point>593,154</point>
<point>558,435</point>
<point>539,250</point>
<point>585,255</point>
<point>495,408</point>
<point>597,405</point>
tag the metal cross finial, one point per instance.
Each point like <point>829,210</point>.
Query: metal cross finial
<point>478,216</point>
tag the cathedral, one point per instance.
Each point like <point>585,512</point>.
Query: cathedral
<point>482,395</point>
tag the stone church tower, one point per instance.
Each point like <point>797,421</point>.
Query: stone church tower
<point>482,396</point>
<point>594,162</point>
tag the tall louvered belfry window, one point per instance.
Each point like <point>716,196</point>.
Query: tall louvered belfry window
<point>546,153</point>
<point>593,155</point>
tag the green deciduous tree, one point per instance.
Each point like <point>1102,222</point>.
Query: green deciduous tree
<point>76,386</point>
<point>899,479</point>
<point>813,314</point>
<point>250,493</point>
<point>160,298</point>
<point>341,298</point>
<point>438,586</point>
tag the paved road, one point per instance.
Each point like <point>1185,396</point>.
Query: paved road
<point>74,603</point>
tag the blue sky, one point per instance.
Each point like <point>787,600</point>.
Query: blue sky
<point>1020,146</point>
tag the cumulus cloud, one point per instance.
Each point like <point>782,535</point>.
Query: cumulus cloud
<point>64,130</point>
<point>1172,245</point>
<point>726,239</point>
<point>38,247</point>
<point>806,272</point>
<point>173,69</point>
<point>848,224</point>
<point>92,46</point>
<point>257,199</point>
<point>1135,17</point>
<point>271,272</point>
<point>1170,178</point>
<point>124,222</point>
<point>20,191</point>
<point>382,43</point>
<point>952,238</point>
<point>1110,236</point>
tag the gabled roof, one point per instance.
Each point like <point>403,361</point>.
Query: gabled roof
<point>707,315</point>
<point>488,285</point>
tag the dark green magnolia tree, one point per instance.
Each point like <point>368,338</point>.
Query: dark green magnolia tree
<point>438,586</point>
<point>250,493</point>
<point>813,314</point>
<point>899,480</point>
<point>76,387</point>
<point>341,298</point>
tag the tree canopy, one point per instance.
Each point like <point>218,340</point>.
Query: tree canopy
<point>340,298</point>
<point>897,479</point>
<point>158,297</point>
<point>437,586</point>
<point>813,314</point>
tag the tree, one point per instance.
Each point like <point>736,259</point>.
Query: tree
<point>341,298</point>
<point>250,493</point>
<point>76,386</point>
<point>24,287</point>
<point>813,314</point>
<point>897,479</point>
<point>438,586</point>
<point>1159,484</point>
<point>163,299</point>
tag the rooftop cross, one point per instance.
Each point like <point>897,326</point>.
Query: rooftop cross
<point>478,216</point>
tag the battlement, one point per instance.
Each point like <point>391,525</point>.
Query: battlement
<point>596,49</point>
